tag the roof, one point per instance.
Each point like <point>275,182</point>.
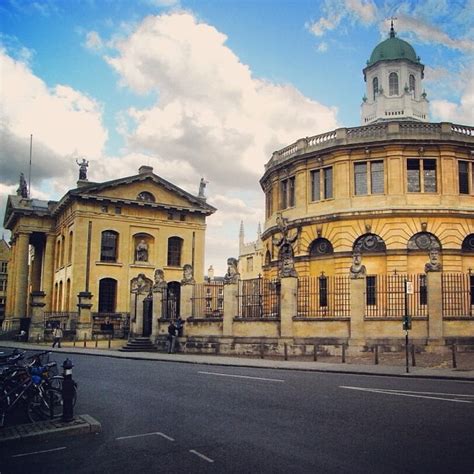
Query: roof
<point>391,49</point>
<point>18,205</point>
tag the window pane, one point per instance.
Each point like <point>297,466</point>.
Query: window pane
<point>464,177</point>
<point>393,84</point>
<point>360,178</point>
<point>107,290</point>
<point>412,83</point>
<point>108,251</point>
<point>327,183</point>
<point>315,185</point>
<point>413,176</point>
<point>429,175</point>
<point>323,291</point>
<point>291,192</point>
<point>376,178</point>
<point>174,251</point>
<point>371,290</point>
<point>375,87</point>
<point>283,194</point>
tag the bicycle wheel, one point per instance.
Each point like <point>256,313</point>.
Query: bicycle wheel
<point>56,383</point>
<point>43,404</point>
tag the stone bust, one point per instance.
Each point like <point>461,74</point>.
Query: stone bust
<point>357,270</point>
<point>159,285</point>
<point>232,275</point>
<point>434,265</point>
<point>187,275</point>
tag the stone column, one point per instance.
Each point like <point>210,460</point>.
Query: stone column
<point>435,308</point>
<point>231,306</point>
<point>288,305</point>
<point>357,295</point>
<point>186,301</point>
<point>48,271</point>
<point>36,267</point>
<point>84,323</point>
<point>21,275</point>
<point>157,311</point>
<point>138,323</point>
<point>10,283</point>
<point>36,332</point>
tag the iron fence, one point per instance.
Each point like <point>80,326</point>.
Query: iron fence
<point>208,300</point>
<point>259,298</point>
<point>385,296</point>
<point>458,295</point>
<point>323,296</point>
<point>63,319</point>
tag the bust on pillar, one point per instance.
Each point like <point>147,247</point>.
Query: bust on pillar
<point>231,289</point>
<point>84,323</point>
<point>357,275</point>
<point>36,331</point>
<point>186,294</point>
<point>435,300</point>
<point>158,291</point>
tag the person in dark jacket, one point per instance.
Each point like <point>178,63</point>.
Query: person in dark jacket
<point>171,337</point>
<point>180,326</point>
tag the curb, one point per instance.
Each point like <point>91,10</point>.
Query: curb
<point>49,429</point>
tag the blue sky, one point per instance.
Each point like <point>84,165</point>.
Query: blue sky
<point>203,88</point>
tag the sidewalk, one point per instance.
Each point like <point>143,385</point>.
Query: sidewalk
<point>328,367</point>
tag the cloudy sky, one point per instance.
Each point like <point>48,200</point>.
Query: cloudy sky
<point>203,88</point>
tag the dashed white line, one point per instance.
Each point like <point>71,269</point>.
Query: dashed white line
<point>404,394</point>
<point>39,452</point>
<point>201,455</point>
<point>241,376</point>
<point>156,433</point>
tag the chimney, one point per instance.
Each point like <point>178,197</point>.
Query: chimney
<point>145,169</point>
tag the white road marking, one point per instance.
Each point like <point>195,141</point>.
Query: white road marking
<point>201,455</point>
<point>241,376</point>
<point>429,393</point>
<point>39,452</point>
<point>157,433</point>
<point>405,394</point>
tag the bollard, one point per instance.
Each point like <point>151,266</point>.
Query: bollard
<point>96,340</point>
<point>262,350</point>
<point>67,391</point>
<point>74,341</point>
<point>376,354</point>
<point>37,339</point>
<point>343,353</point>
<point>413,361</point>
<point>218,347</point>
<point>286,351</point>
<point>85,340</point>
<point>453,351</point>
<point>315,352</point>
<point>110,339</point>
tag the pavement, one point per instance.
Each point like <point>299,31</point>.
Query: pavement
<point>86,424</point>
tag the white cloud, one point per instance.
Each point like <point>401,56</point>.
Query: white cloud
<point>363,10</point>
<point>322,47</point>
<point>94,41</point>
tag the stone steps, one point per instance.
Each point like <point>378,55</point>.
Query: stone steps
<point>139,344</point>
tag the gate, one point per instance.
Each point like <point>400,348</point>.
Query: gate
<point>171,299</point>
<point>259,298</point>
<point>147,315</point>
<point>208,300</point>
<point>458,295</point>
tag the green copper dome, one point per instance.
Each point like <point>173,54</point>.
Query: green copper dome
<point>393,48</point>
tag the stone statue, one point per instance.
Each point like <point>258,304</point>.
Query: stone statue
<point>83,168</point>
<point>202,187</point>
<point>434,265</point>
<point>232,275</point>
<point>159,285</point>
<point>23,187</point>
<point>142,251</point>
<point>187,275</point>
<point>357,270</point>
<point>285,245</point>
<point>141,284</point>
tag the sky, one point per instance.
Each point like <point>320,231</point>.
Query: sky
<point>203,88</point>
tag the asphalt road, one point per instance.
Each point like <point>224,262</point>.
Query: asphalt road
<point>172,417</point>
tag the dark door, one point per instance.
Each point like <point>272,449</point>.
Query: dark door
<point>173,293</point>
<point>147,315</point>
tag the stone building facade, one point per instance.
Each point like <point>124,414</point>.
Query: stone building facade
<point>250,255</point>
<point>79,256</point>
<point>4,259</point>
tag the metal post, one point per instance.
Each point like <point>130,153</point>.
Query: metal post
<point>262,350</point>
<point>96,340</point>
<point>85,339</point>
<point>110,339</point>
<point>376,354</point>
<point>406,332</point>
<point>74,341</point>
<point>453,352</point>
<point>315,352</point>
<point>343,353</point>
<point>218,347</point>
<point>286,351</point>
<point>413,361</point>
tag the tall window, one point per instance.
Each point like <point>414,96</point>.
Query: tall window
<point>375,86</point>
<point>369,175</point>
<point>4,267</point>
<point>175,245</point>
<point>466,177</point>
<point>421,175</point>
<point>371,290</point>
<point>393,84</point>
<point>69,252</point>
<point>287,193</point>
<point>321,184</point>
<point>412,83</point>
<point>423,290</point>
<point>107,295</point>
<point>323,291</point>
<point>268,203</point>
<point>471,287</point>
<point>109,246</point>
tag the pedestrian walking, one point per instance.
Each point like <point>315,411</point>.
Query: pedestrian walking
<point>171,337</point>
<point>57,335</point>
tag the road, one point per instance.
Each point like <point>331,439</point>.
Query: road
<point>189,418</point>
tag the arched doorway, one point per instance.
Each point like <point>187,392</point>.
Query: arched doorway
<point>147,315</point>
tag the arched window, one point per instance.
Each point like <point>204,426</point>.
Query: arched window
<point>175,245</point>
<point>424,241</point>
<point>375,86</point>
<point>107,295</point>
<point>69,253</point>
<point>412,83</point>
<point>109,246</point>
<point>393,84</point>
<point>468,243</point>
<point>369,243</point>
<point>268,258</point>
<point>320,248</point>
<point>68,294</point>
<point>146,196</point>
<point>60,297</point>
<point>58,253</point>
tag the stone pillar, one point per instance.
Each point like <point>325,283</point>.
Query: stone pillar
<point>157,311</point>
<point>10,283</point>
<point>48,270</point>
<point>357,295</point>
<point>84,323</point>
<point>288,305</point>
<point>21,275</point>
<point>36,267</point>
<point>231,306</point>
<point>36,332</point>
<point>137,320</point>
<point>435,308</point>
<point>186,301</point>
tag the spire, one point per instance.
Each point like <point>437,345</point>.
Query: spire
<point>392,29</point>
<point>259,231</point>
